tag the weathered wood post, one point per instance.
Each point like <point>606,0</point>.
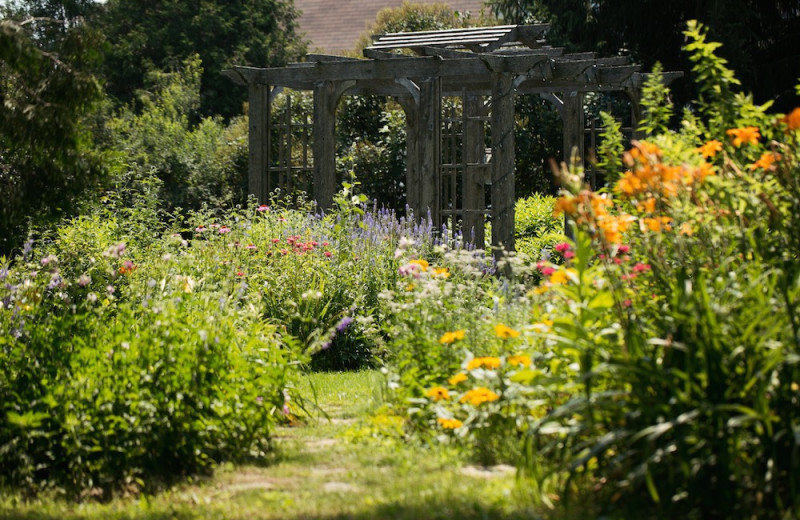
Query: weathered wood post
<point>324,143</point>
<point>503,196</point>
<point>429,130</point>
<point>259,112</point>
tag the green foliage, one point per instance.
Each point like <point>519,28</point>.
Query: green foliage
<point>609,151</point>
<point>245,32</point>
<point>46,163</point>
<point>656,105</point>
<point>537,230</point>
<point>195,163</point>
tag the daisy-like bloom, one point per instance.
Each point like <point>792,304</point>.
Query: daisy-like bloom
<point>251,247</point>
<point>519,360</point>
<point>449,424</point>
<point>710,149</point>
<point>744,135</point>
<point>442,271</point>
<point>420,262</point>
<point>262,208</point>
<point>438,393</point>
<point>504,332</point>
<point>223,230</point>
<point>478,396</point>
<point>489,362</point>
<point>451,337</point>
<point>458,378</point>
<point>200,229</point>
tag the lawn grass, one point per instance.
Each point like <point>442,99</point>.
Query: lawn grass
<point>337,467</point>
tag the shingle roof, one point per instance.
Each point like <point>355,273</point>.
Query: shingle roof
<point>334,26</point>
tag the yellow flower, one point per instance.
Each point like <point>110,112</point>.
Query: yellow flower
<point>420,262</point>
<point>449,424</point>
<point>558,277</point>
<point>410,287</point>
<point>489,362</point>
<point>442,271</point>
<point>438,393</point>
<point>686,229</point>
<point>519,360</point>
<point>504,332</point>
<point>451,337</point>
<point>710,149</point>
<point>745,135</point>
<point>461,376</point>
<point>478,396</point>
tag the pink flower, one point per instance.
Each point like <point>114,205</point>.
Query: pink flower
<point>200,229</point>
<point>540,265</point>
<point>547,271</point>
<point>328,254</point>
<point>563,246</point>
<point>284,251</point>
<point>325,244</point>
<point>251,247</point>
<point>639,267</point>
<point>239,273</point>
<point>569,254</point>
<point>276,240</point>
<point>262,208</point>
<point>224,229</point>
<point>214,226</point>
<point>624,249</point>
<point>627,303</point>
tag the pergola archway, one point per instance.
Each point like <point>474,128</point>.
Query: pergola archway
<point>483,66</point>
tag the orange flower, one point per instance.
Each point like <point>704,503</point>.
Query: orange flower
<point>793,119</point>
<point>458,378</point>
<point>438,393</point>
<point>505,332</point>
<point>478,396</point>
<point>451,337</point>
<point>647,206</point>
<point>565,204</point>
<point>710,149</point>
<point>489,362</point>
<point>449,424</point>
<point>744,135</point>
<point>519,360</point>
<point>686,229</point>
<point>766,161</point>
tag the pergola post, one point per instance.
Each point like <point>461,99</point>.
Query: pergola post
<point>572,117</point>
<point>428,131</point>
<point>324,143</point>
<point>259,112</point>
<point>503,198</point>
<point>474,180</point>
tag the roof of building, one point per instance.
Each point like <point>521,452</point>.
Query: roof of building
<point>335,26</point>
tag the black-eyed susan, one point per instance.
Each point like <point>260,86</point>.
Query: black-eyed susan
<point>449,424</point>
<point>452,337</point>
<point>489,362</point>
<point>478,396</point>
<point>438,393</point>
<point>505,332</point>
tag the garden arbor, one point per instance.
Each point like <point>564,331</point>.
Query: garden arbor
<point>449,167</point>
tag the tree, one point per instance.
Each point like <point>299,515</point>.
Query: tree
<point>760,38</point>
<point>45,95</point>
<point>164,33</point>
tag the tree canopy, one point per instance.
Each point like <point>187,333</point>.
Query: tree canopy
<point>164,33</point>
<point>760,38</point>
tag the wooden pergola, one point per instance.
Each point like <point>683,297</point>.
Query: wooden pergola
<point>485,67</point>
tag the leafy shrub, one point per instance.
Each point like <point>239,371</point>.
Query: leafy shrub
<point>537,229</point>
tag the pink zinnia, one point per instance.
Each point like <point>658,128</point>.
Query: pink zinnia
<point>547,271</point>
<point>328,254</point>
<point>569,254</point>
<point>563,246</point>
<point>624,249</point>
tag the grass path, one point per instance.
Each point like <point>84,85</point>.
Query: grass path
<point>321,472</point>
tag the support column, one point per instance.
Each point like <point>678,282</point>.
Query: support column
<point>412,168</point>
<point>572,117</point>
<point>258,137</point>
<point>324,144</point>
<point>474,180</point>
<point>429,129</point>
<point>503,196</point>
